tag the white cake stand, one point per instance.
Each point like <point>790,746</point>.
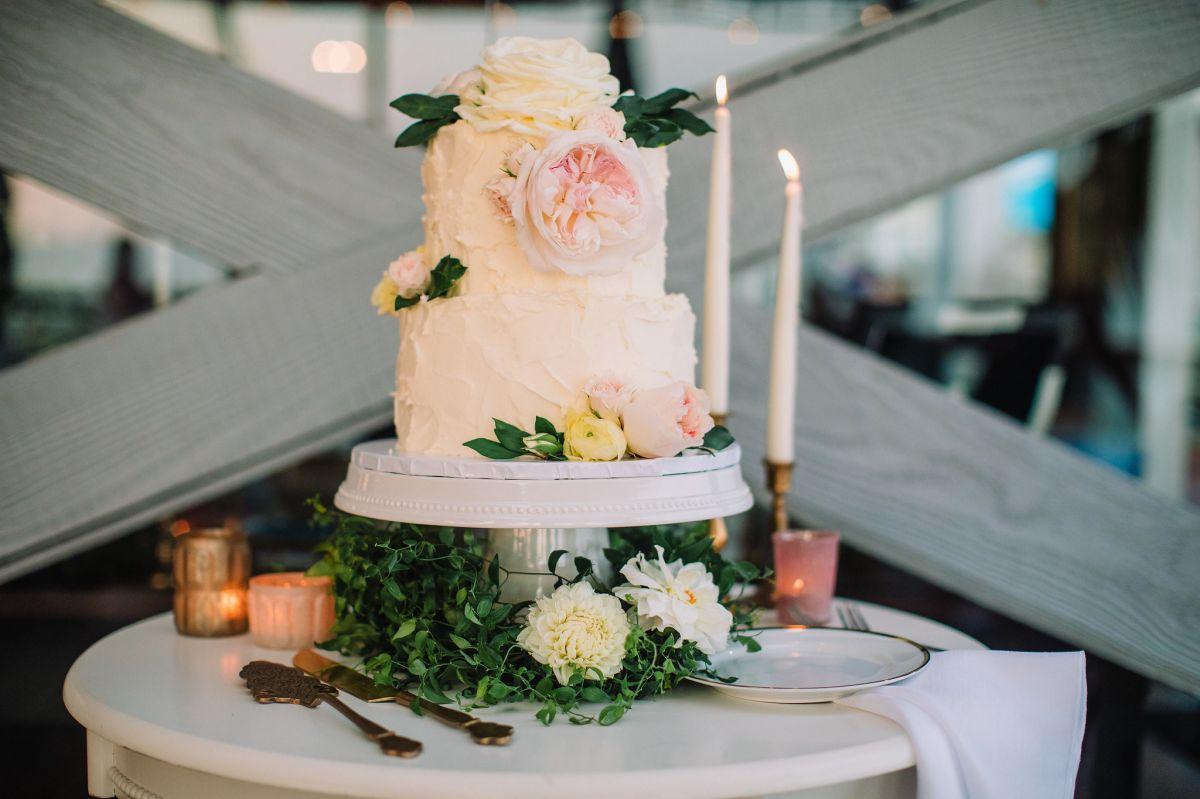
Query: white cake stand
<point>531,508</point>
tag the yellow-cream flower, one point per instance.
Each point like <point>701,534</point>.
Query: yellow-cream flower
<point>575,629</point>
<point>535,86</point>
<point>588,437</point>
<point>383,297</point>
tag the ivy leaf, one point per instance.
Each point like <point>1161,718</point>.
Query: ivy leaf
<point>492,449</point>
<point>593,694</point>
<point>583,567</point>
<point>510,436</point>
<point>718,438</point>
<point>404,629</point>
<point>751,644</point>
<point>421,132</point>
<point>689,121</point>
<point>746,570</point>
<point>443,276</point>
<point>611,715</point>
<point>554,558</point>
<point>423,106</point>
<point>660,103</point>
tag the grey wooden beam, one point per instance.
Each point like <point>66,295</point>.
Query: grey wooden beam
<point>169,408</point>
<point>938,94</point>
<point>971,501</point>
<point>183,145</point>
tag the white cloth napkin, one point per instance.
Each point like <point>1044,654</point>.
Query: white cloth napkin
<point>990,725</point>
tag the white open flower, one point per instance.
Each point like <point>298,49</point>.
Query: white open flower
<point>575,629</point>
<point>534,86</point>
<point>675,596</point>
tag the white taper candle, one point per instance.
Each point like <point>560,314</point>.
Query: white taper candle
<point>714,364</point>
<point>781,405</point>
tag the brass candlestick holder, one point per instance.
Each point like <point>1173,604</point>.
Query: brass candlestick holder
<point>717,530</point>
<point>779,480</point>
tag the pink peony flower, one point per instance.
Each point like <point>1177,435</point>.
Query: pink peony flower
<point>663,422</point>
<point>583,205</point>
<point>608,395</point>
<point>410,273</point>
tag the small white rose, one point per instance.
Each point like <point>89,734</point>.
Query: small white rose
<point>575,629</point>
<point>679,597</point>
<point>663,422</point>
<point>410,273</point>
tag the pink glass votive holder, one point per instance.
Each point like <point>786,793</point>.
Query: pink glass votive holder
<point>289,610</point>
<point>805,575</point>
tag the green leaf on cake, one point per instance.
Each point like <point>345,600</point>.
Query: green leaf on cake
<point>431,113</point>
<point>444,276</point>
<point>543,426</point>
<point>404,302</point>
<point>510,436</point>
<point>655,122</point>
<point>422,106</point>
<point>492,449</point>
<point>718,438</point>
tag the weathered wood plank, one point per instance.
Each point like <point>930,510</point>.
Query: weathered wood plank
<point>940,93</point>
<point>973,502</point>
<point>171,407</point>
<point>186,146</point>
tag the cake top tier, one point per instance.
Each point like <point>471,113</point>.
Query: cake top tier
<point>539,177</point>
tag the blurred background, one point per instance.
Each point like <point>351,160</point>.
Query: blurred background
<point>1026,288</point>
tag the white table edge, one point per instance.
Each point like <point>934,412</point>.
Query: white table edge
<point>313,774</point>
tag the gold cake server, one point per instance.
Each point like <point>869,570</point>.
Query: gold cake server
<point>488,733</point>
<point>278,683</point>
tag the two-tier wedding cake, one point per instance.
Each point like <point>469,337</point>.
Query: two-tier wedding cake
<point>537,297</point>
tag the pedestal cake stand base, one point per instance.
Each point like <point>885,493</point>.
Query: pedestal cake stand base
<point>532,508</point>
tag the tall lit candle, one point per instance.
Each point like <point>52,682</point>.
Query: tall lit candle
<point>781,405</point>
<point>714,366</point>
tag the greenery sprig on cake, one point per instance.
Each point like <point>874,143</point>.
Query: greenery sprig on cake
<point>408,280</point>
<point>422,606</point>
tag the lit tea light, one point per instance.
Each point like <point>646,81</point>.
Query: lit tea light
<point>211,567</point>
<point>805,575</point>
<point>290,610</point>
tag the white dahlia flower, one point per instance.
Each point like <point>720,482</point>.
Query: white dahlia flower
<point>576,629</point>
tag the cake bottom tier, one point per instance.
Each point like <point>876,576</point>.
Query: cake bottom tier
<point>466,360</point>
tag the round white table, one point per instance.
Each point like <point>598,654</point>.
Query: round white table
<point>167,716</point>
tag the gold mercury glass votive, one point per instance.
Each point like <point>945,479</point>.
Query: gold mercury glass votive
<point>211,568</point>
<point>289,610</point>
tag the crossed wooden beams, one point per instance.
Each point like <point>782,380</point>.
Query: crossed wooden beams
<point>230,384</point>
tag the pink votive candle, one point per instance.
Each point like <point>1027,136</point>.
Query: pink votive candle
<point>289,610</point>
<point>805,574</point>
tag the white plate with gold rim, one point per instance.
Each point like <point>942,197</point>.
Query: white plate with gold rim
<point>801,665</point>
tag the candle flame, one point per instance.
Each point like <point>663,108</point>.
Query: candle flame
<point>722,90</point>
<point>790,167</point>
<point>798,585</point>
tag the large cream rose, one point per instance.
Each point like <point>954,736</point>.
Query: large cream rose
<point>583,205</point>
<point>576,630</point>
<point>535,86</point>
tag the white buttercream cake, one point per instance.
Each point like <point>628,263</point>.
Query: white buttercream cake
<point>524,328</point>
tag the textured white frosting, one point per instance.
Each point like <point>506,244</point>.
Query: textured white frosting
<point>461,220</point>
<point>514,356</point>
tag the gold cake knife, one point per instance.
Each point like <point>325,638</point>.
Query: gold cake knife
<point>488,733</point>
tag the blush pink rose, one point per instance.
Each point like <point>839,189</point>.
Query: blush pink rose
<point>583,205</point>
<point>410,273</point>
<point>663,422</point>
<point>608,395</point>
<point>608,121</point>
